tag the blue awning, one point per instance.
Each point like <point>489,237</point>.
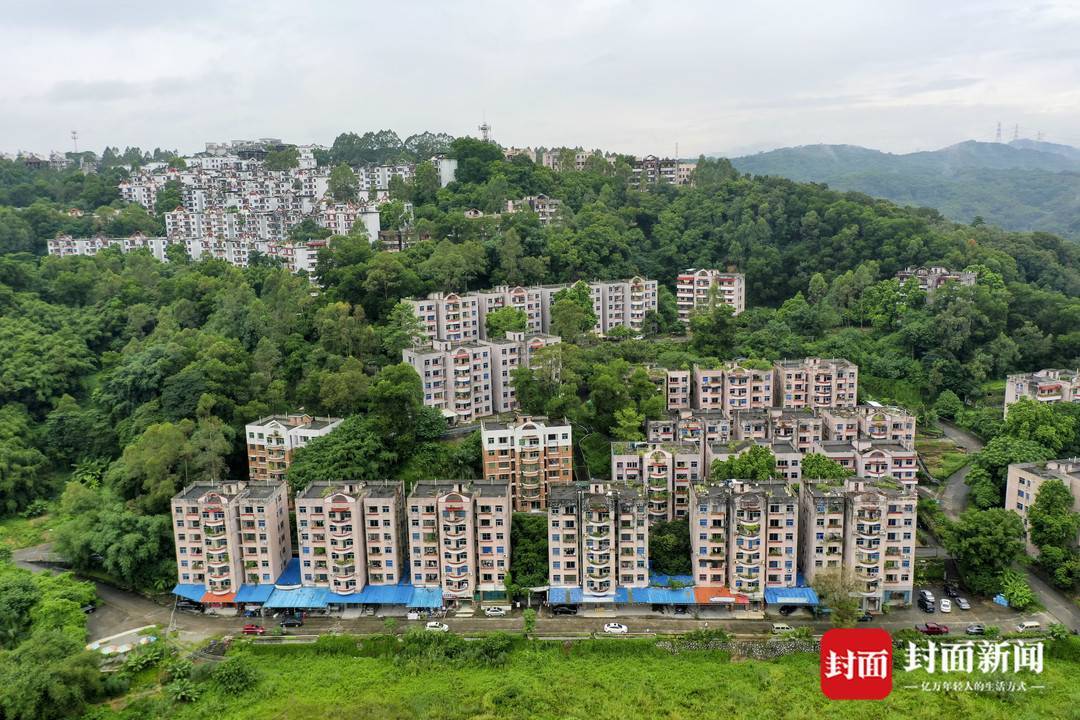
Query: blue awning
<point>659,596</point>
<point>564,595</point>
<point>190,591</point>
<point>426,598</point>
<point>290,576</point>
<point>401,594</point>
<point>254,593</point>
<point>308,597</point>
<point>791,596</point>
<point>659,580</point>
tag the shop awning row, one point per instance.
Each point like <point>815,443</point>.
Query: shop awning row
<point>697,595</point>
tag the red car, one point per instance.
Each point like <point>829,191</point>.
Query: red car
<point>933,629</point>
<point>254,630</point>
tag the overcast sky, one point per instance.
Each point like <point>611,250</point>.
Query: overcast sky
<point>630,76</point>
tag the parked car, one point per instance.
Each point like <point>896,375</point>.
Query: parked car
<point>926,606</point>
<point>564,610</point>
<point>780,628</point>
<point>926,595</point>
<point>188,605</point>
<point>495,611</point>
<point>89,608</point>
<point>291,621</point>
<point>933,629</point>
<point>866,617</point>
<point>436,626</point>
<point>976,629</point>
<point>963,604</point>
<point>616,629</point>
<point>252,629</point>
<point>951,591</point>
<point>1028,626</point>
<point>946,605</point>
<point>681,610</point>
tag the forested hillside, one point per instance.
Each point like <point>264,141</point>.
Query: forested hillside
<point>1022,185</point>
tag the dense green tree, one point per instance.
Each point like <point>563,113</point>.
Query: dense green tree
<point>284,159</point>
<point>984,543</point>
<point>816,466</point>
<point>343,185</point>
<point>506,319</point>
<point>669,547</point>
<point>756,463</point>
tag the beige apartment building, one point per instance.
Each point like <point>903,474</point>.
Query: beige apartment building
<point>1046,386</point>
<point>874,460</point>
<point>816,383</point>
<point>747,385</point>
<point>869,422</point>
<point>690,426</point>
<point>230,534</point>
<point>351,534</point>
<point>698,289</point>
<point>531,454</point>
<point>459,537</point>
<point>272,440</point>
<point>744,536</point>
<point>665,470</point>
<point>801,428</point>
<point>931,278</point>
<point>863,529</point>
<point>1025,479</point>
<point>474,379</point>
<point>598,538</point>
<point>461,317</point>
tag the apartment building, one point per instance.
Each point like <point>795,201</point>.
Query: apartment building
<point>651,170</point>
<point>816,383</point>
<point>1045,386</point>
<point>690,426</point>
<point>872,459</point>
<point>666,470</point>
<point>459,537</point>
<point>350,534</point>
<point>462,316</point>
<point>231,534</point>
<point>546,208</point>
<point>598,539</point>
<point>698,289</point>
<point>931,278</point>
<point>272,440</point>
<point>744,536</point>
<point>802,428</point>
<point>473,379</point>
<point>65,245</point>
<point>1026,479</point>
<point>747,385</point>
<point>787,458</point>
<point>531,454</point>
<point>863,529</point>
<point>678,390</point>
<point>869,422</point>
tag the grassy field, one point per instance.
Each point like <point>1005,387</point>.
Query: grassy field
<point>17,532</point>
<point>942,456</point>
<point>600,680</point>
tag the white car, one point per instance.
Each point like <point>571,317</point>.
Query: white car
<point>963,604</point>
<point>495,612</point>
<point>616,629</point>
<point>437,627</point>
<point>946,605</point>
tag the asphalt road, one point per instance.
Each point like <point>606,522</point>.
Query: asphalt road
<point>954,496</point>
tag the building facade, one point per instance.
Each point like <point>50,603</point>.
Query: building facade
<point>1045,386</point>
<point>665,470</point>
<point>272,440</point>
<point>531,454</point>
<point>459,537</point>
<point>697,289</point>
<point>1026,479</point>
<point>817,383</point>
<point>931,278</point>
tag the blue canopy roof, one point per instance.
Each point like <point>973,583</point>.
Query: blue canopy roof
<point>660,596</point>
<point>254,593</point>
<point>190,591</point>
<point>564,596</point>
<point>426,598</point>
<point>401,594</point>
<point>659,580</point>
<point>290,576</point>
<point>305,597</point>
<point>791,596</point>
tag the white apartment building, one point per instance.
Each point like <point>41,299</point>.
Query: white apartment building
<point>531,454</point>
<point>474,379</point>
<point>1026,479</point>
<point>666,470</point>
<point>598,539</point>
<point>231,534</point>
<point>931,278</point>
<point>1045,386</point>
<point>692,426</point>
<point>873,459</point>
<point>696,289</point>
<point>459,537</point>
<point>272,440</point>
<point>65,245</point>
<point>350,534</point>
<point>864,530</point>
<point>869,422</point>
<point>744,536</point>
<point>801,428</point>
<point>817,383</point>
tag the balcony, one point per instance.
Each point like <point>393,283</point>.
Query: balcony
<point>746,529</point>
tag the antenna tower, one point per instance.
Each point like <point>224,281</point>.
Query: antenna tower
<point>997,138</point>
<point>75,140</point>
<point>485,131</point>
<point>1016,132</point>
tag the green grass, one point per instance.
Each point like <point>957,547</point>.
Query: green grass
<point>17,533</point>
<point>598,680</point>
<point>942,457</point>
<point>889,392</point>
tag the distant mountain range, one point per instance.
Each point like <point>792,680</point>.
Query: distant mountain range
<point>1021,185</point>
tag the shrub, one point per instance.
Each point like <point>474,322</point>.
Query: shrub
<point>183,690</point>
<point>235,676</point>
<point>177,669</point>
<point>1016,590</point>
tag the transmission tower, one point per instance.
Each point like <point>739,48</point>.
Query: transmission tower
<point>485,131</point>
<point>75,140</point>
<point>1016,132</point>
<point>997,138</point>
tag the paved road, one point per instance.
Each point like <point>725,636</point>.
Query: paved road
<point>954,496</point>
